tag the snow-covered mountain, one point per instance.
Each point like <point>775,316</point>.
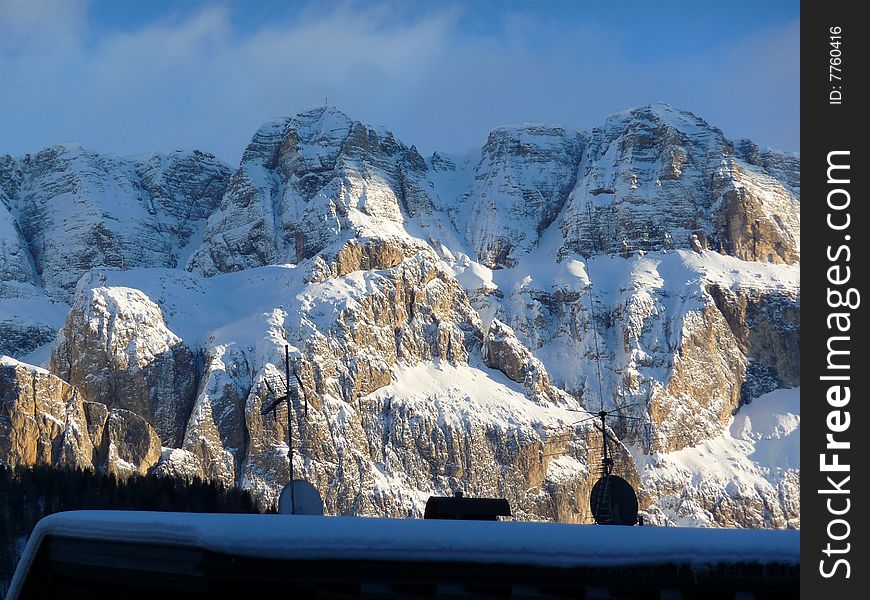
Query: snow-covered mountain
<point>444,315</point>
<point>65,210</point>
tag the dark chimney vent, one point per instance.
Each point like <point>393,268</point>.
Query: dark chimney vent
<point>466,509</point>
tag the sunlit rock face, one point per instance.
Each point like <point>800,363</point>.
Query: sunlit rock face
<point>117,350</point>
<point>45,421</point>
<point>451,319</point>
<point>657,178</point>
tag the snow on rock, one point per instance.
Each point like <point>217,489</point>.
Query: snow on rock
<point>179,464</point>
<point>65,210</point>
<point>658,178</point>
<point>748,475</point>
<point>116,348</point>
<point>309,182</point>
<point>361,343</point>
<point>668,328</point>
<point>445,315</point>
<point>78,210</point>
<point>503,351</point>
<point>29,323</point>
<point>520,184</point>
<point>18,277</point>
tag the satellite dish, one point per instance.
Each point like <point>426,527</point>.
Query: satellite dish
<point>613,501</point>
<point>302,496</point>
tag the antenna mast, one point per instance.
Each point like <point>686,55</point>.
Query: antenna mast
<point>289,426</point>
<point>595,337</point>
<point>272,408</point>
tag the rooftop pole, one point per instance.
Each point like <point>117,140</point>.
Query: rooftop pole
<point>289,427</point>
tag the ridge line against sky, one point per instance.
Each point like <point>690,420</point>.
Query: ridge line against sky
<point>139,77</point>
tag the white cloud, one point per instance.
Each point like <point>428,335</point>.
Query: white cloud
<point>199,81</point>
<point>27,25</point>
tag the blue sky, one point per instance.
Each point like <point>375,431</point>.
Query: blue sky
<point>132,77</point>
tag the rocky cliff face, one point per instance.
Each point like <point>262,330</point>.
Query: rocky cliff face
<point>45,421</point>
<point>16,269</point>
<point>657,178</point>
<point>450,319</point>
<point>116,349</point>
<point>78,210</point>
<point>520,185</point>
<point>306,183</point>
<point>65,210</point>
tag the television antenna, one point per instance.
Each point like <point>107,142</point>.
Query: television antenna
<point>612,500</point>
<point>290,394</point>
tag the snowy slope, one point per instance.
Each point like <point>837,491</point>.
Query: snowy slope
<point>65,210</point>
<point>447,316</point>
<point>759,454</point>
<point>78,210</point>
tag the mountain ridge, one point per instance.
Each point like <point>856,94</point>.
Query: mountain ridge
<point>493,279</point>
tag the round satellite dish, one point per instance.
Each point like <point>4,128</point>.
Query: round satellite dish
<point>613,501</point>
<point>305,496</point>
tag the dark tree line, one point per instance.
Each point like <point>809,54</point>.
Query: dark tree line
<point>29,493</point>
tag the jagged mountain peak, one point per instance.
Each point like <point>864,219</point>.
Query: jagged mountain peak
<point>321,176</point>
<point>660,127</point>
<point>320,122</point>
<point>663,113</point>
<point>309,182</point>
<point>656,177</point>
<point>443,313</point>
<point>317,134</point>
<point>76,209</point>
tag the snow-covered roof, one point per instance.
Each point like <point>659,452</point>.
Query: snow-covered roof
<point>351,538</point>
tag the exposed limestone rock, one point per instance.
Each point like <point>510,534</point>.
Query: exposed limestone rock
<point>45,421</point>
<point>503,351</point>
<point>41,418</point>
<point>96,416</point>
<point>704,386</point>
<point>117,350</point>
<point>133,447</point>
<point>215,433</point>
<point>388,456</point>
<point>758,218</point>
<point>411,312</point>
<point>763,491</point>
<point>369,254</point>
<point>656,178</point>
<point>766,326</point>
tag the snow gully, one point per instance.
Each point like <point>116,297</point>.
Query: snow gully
<point>842,299</point>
